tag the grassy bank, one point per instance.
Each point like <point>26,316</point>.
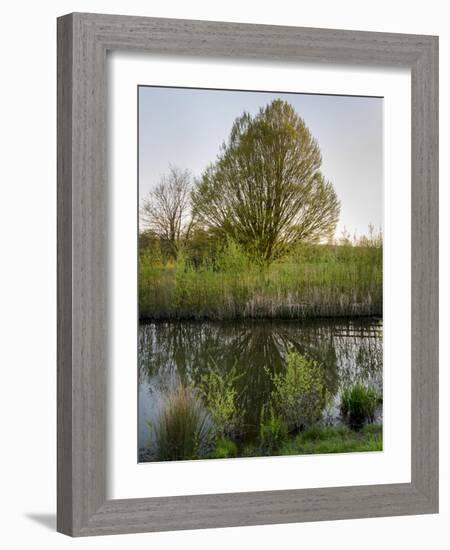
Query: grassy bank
<point>325,440</point>
<point>207,420</point>
<point>337,439</point>
<point>317,440</point>
<point>315,281</point>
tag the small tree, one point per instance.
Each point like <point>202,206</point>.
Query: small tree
<point>166,211</point>
<point>221,398</point>
<point>265,190</point>
<point>300,393</point>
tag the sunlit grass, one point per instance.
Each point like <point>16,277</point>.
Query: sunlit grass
<point>318,281</point>
<point>337,439</point>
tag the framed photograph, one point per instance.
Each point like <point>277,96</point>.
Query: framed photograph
<point>247,274</point>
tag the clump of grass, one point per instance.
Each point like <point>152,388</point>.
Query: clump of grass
<point>273,431</point>
<point>358,405</point>
<point>224,448</point>
<point>300,393</point>
<point>220,396</point>
<point>183,429</point>
<point>249,450</point>
<point>338,439</point>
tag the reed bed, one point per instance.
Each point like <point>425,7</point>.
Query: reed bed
<point>320,281</point>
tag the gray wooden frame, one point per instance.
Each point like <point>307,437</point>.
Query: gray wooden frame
<point>83,40</point>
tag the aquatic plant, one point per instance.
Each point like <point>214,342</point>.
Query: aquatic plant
<point>358,404</point>
<point>272,432</point>
<point>224,448</point>
<point>218,390</point>
<point>300,393</point>
<point>183,429</point>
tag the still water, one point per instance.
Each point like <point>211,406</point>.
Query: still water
<point>351,350</point>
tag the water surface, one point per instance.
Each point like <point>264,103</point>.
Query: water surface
<point>350,350</point>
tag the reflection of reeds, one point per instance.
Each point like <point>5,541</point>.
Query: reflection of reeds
<point>183,428</point>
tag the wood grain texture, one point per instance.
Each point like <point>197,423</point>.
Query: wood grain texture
<point>425,272</point>
<point>83,40</point>
<point>64,274</point>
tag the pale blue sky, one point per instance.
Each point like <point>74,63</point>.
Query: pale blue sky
<point>185,128</point>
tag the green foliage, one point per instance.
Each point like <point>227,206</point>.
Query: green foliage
<point>221,398</point>
<point>358,404</point>
<point>250,450</point>
<point>201,248</point>
<point>272,432</point>
<point>225,448</point>
<point>323,440</point>
<point>151,276</point>
<point>232,258</point>
<point>373,429</point>
<point>300,394</point>
<point>150,246</point>
<point>265,189</point>
<point>319,280</point>
<point>338,439</point>
<point>183,429</point>
<point>319,433</point>
<point>182,277</point>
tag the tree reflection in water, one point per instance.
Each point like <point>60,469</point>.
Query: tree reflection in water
<point>350,350</point>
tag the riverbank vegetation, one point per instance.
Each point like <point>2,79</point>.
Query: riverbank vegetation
<point>206,420</point>
<point>359,404</point>
<point>339,279</point>
<point>253,239</point>
<point>254,235</point>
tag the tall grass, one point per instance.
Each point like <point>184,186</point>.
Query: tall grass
<point>315,281</point>
<point>358,404</point>
<point>183,429</point>
<point>273,431</point>
<point>224,448</point>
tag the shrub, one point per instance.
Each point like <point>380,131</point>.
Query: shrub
<point>300,393</point>
<point>221,398</point>
<point>183,429</point>
<point>358,405</point>
<point>225,448</point>
<point>232,258</point>
<point>272,432</point>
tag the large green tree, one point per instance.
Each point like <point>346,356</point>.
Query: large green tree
<point>265,190</point>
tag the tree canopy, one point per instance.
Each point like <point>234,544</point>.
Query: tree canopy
<point>265,190</point>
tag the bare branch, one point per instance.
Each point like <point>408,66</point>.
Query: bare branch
<point>166,211</point>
